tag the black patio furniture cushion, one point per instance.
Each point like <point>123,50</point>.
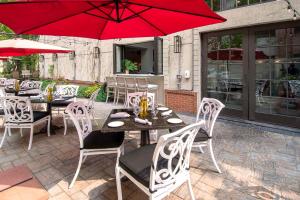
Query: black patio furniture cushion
<point>1,112</point>
<point>60,103</point>
<point>37,115</point>
<point>202,136</point>
<point>98,140</point>
<point>138,163</point>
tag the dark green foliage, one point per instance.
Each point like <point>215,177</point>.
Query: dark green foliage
<point>45,83</point>
<point>102,94</point>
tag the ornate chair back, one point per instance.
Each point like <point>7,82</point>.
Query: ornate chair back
<point>171,158</point>
<point>121,82</point>
<point>81,119</point>
<point>10,83</point>
<point>111,81</point>
<point>133,99</point>
<point>142,83</point>
<point>209,110</point>
<point>130,83</point>
<point>17,109</point>
<point>66,90</point>
<point>2,82</point>
<point>28,84</point>
<point>91,103</point>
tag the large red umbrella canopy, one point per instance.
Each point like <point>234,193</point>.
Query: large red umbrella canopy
<point>106,19</point>
<point>22,47</point>
<point>3,58</point>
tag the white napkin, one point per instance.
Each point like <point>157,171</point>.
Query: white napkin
<point>142,121</point>
<point>166,113</point>
<point>120,115</point>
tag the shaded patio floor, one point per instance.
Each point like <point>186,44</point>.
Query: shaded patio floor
<point>256,165</point>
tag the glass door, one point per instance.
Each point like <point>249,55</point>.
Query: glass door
<point>224,74</point>
<point>277,63</point>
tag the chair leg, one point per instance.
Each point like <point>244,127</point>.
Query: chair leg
<point>201,150</point>
<point>78,169</point>
<point>48,126</point>
<point>118,95</point>
<point>213,156</point>
<point>84,158</point>
<point>3,137</point>
<point>9,131</point>
<point>65,124</point>
<point>190,189</point>
<point>118,177</point>
<point>30,138</point>
<point>107,95</point>
<point>21,132</point>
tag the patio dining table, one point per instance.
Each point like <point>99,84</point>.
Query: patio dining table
<point>131,125</point>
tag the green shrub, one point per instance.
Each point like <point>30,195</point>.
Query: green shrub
<point>102,94</point>
<point>81,91</point>
<point>45,83</point>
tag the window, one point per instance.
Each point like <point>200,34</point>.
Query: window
<point>219,5</point>
<point>147,56</point>
<point>278,71</point>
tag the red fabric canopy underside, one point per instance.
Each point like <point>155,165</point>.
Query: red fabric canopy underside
<point>99,19</point>
<point>24,52</point>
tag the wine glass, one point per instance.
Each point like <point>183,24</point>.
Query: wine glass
<point>154,111</point>
<point>136,110</point>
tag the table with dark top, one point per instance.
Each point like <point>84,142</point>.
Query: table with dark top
<point>131,125</point>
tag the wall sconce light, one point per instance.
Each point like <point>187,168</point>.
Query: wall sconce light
<point>54,57</point>
<point>177,44</point>
<point>72,55</point>
<point>42,58</point>
<point>96,52</point>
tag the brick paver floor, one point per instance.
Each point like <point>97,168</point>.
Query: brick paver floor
<point>256,164</point>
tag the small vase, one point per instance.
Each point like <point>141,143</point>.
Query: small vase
<point>126,71</point>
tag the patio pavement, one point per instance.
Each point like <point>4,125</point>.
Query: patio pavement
<point>256,165</point>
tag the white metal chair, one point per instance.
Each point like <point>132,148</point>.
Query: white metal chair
<point>208,112</point>
<point>130,85</point>
<point>19,114</point>
<point>159,169</point>
<point>144,86</point>
<point>10,84</point>
<point>90,105</point>
<point>92,142</point>
<point>111,88</point>
<point>31,86</point>
<point>121,89</point>
<point>2,82</point>
<point>64,91</point>
<point>133,99</point>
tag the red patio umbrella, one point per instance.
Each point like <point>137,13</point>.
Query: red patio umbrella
<point>106,19</point>
<point>3,58</point>
<point>22,47</point>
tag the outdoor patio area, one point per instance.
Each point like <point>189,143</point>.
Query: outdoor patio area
<point>255,164</point>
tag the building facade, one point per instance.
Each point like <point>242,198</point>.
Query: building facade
<point>251,62</point>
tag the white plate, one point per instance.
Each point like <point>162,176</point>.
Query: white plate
<point>162,108</point>
<point>174,120</point>
<point>115,124</point>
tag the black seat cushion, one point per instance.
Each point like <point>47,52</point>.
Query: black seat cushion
<point>37,115</point>
<point>60,103</point>
<point>98,140</point>
<point>138,163</point>
<point>202,136</point>
<point>2,112</point>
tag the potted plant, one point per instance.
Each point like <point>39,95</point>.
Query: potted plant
<point>128,66</point>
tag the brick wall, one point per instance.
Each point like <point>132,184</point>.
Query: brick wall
<point>181,100</point>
